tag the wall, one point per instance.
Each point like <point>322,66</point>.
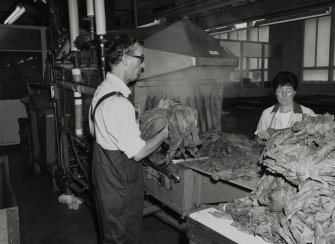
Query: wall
<point>22,55</point>
<point>290,37</point>
<point>10,111</point>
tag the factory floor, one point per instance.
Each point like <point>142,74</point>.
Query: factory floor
<point>43,220</point>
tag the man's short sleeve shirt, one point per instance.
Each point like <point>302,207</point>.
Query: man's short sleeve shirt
<point>115,124</point>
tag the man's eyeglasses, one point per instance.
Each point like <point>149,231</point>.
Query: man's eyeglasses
<point>141,58</point>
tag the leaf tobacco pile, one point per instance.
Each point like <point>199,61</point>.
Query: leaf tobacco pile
<point>294,202</point>
<point>232,156</point>
<point>183,130</point>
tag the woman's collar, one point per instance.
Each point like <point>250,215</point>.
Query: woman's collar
<point>296,108</point>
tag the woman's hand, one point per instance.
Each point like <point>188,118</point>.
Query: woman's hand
<point>263,135</point>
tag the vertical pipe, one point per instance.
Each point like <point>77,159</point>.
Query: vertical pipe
<point>100,18</point>
<point>44,49</point>
<point>91,18</point>
<point>241,64</point>
<point>90,7</point>
<point>74,22</point>
<point>100,22</point>
<point>78,104</point>
<point>262,65</point>
<point>102,56</point>
<point>76,73</point>
<point>90,15</point>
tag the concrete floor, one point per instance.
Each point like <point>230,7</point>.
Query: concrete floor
<point>43,220</point>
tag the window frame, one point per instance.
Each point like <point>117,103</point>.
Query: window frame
<point>244,70</point>
<point>330,67</point>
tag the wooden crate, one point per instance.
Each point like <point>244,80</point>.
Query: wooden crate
<point>9,213</point>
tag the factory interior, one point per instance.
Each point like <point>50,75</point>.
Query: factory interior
<point>211,67</point>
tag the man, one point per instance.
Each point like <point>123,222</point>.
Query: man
<point>117,177</point>
<point>286,112</point>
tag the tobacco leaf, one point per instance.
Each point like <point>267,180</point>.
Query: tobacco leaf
<point>297,192</point>
<point>183,130</point>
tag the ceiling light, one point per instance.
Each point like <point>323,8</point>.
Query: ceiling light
<point>18,11</point>
<point>241,26</point>
<point>257,21</point>
<point>154,23</point>
<point>219,29</point>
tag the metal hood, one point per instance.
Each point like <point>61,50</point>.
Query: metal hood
<point>185,38</point>
<point>178,46</point>
<point>183,45</point>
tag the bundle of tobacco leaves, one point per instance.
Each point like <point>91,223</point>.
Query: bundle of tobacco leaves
<point>183,130</point>
<point>294,202</point>
<point>231,156</point>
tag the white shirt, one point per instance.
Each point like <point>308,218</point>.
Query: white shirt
<point>285,118</point>
<point>271,118</point>
<point>115,124</point>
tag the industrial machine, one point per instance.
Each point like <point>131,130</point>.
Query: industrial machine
<point>182,63</point>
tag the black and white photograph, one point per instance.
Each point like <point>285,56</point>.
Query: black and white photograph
<point>167,122</point>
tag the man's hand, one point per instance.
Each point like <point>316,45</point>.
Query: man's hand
<point>165,132</point>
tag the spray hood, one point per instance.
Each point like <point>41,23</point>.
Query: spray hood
<point>185,38</point>
<point>179,46</point>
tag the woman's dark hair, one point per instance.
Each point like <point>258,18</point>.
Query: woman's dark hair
<point>120,46</point>
<point>286,78</point>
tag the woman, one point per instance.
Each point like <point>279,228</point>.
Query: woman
<point>286,112</point>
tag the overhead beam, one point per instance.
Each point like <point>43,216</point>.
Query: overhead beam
<point>257,10</point>
<point>208,13</point>
<point>192,8</point>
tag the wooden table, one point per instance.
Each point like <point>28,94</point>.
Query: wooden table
<point>204,228</point>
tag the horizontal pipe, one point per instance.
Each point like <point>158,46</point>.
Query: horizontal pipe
<point>164,170</point>
<point>166,218</point>
<point>78,88</point>
<point>151,210</point>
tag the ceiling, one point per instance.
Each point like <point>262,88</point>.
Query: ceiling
<point>205,13</point>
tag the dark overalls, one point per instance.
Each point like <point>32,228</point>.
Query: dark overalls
<point>118,188</point>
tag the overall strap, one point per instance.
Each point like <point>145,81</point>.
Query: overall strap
<point>101,100</point>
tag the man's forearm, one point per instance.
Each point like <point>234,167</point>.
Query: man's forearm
<point>150,146</point>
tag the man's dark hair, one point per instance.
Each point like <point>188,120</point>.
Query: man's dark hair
<point>120,46</point>
<point>286,78</point>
